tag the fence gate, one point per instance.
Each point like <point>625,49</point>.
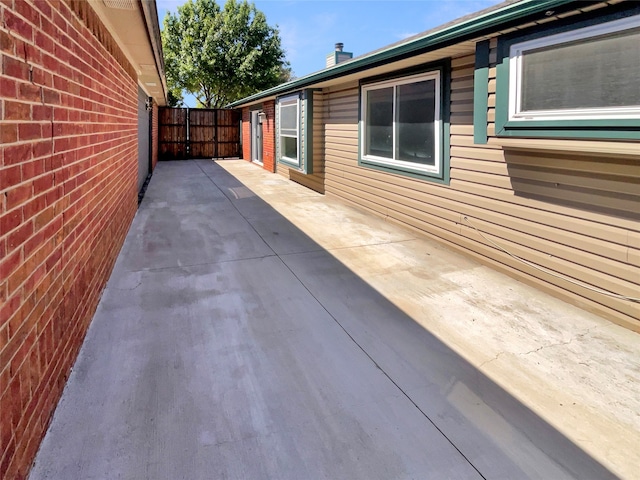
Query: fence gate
<point>198,133</point>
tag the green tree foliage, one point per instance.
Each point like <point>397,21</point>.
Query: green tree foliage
<point>221,55</point>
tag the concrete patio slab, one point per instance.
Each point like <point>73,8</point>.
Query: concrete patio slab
<point>255,329</point>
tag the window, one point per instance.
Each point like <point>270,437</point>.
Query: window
<point>576,81</point>
<point>288,129</point>
<point>401,126</point>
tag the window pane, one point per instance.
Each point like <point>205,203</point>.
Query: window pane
<point>289,147</point>
<point>289,116</point>
<point>379,123</point>
<point>415,125</point>
<point>589,73</point>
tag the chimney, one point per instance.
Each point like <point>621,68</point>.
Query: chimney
<point>338,55</point>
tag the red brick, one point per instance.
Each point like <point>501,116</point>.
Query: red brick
<point>14,154</point>
<point>50,97</point>
<point>10,220</point>
<point>53,195</point>
<point>20,235</point>
<point>16,110</point>
<point>60,83</point>
<point>32,169</point>
<point>13,67</point>
<point>43,218</point>
<point>17,25</point>
<point>50,63</point>
<point>60,114</point>
<point>61,144</point>
<point>18,195</point>
<point>29,131</point>
<point>44,7</point>
<point>44,148</point>
<point>8,87</point>
<point>8,133</point>
<point>32,55</point>
<point>41,113</point>
<point>28,92</point>
<point>8,266</point>
<point>34,206</point>
<point>7,43</point>
<point>10,176</point>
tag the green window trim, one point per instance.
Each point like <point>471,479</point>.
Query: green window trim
<point>481,93</point>
<point>307,99</point>
<point>604,129</point>
<point>305,123</point>
<point>278,147</point>
<point>443,177</point>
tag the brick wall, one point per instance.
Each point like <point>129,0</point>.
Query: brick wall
<point>268,135</point>
<point>246,134</point>
<point>68,167</point>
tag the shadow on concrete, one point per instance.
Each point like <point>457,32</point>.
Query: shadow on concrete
<point>224,348</point>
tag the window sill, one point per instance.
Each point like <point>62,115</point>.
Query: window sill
<point>406,172</point>
<point>583,147</point>
<point>291,164</point>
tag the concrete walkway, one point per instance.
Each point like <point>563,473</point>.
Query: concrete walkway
<point>253,329</point>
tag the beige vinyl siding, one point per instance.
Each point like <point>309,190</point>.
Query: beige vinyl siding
<point>315,180</point>
<point>573,213</point>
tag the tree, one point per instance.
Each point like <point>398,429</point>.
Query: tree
<point>221,55</point>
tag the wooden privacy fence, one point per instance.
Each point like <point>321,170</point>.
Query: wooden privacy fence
<point>198,133</point>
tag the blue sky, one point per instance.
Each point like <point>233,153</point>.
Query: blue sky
<point>310,28</point>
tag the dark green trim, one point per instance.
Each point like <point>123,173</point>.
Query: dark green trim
<point>308,130</point>
<point>616,129</point>
<point>289,163</point>
<point>481,93</point>
<point>300,165</point>
<point>555,129</point>
<point>444,67</point>
<point>490,22</point>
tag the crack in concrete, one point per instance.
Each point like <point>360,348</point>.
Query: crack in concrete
<point>535,350</point>
<point>127,289</point>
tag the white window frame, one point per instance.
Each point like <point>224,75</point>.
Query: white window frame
<point>516,52</point>
<point>288,101</point>
<point>436,169</point>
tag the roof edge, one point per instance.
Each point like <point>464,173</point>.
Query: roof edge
<point>152,22</point>
<point>494,19</point>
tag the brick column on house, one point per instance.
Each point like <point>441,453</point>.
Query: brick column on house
<point>68,168</point>
<point>246,134</point>
<point>269,136</point>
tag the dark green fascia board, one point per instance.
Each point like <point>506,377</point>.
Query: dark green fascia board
<point>481,93</point>
<point>490,22</point>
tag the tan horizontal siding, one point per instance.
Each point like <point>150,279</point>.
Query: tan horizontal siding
<point>584,265</point>
<point>569,213</point>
